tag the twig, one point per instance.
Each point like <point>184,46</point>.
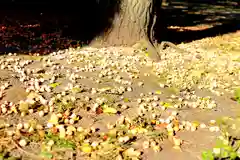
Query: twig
<point>26,152</point>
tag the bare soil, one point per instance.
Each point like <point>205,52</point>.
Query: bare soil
<point>206,55</point>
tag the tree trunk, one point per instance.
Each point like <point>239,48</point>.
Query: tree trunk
<point>134,22</point>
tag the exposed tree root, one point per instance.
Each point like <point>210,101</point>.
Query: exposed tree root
<point>25,152</point>
<point>165,44</point>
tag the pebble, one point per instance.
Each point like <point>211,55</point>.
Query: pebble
<point>22,142</point>
<point>41,113</point>
<point>19,126</point>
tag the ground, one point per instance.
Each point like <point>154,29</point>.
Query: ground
<point>184,89</point>
<point>115,102</point>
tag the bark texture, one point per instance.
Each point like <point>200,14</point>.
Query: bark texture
<point>134,21</point>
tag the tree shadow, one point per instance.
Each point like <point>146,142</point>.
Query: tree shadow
<point>218,16</point>
<point>58,24</point>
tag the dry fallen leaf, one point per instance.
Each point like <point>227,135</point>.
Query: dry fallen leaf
<point>86,149</point>
<point>131,153</point>
<point>110,110</point>
<point>54,119</point>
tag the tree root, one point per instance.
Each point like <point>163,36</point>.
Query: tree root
<point>163,45</point>
<point>25,152</point>
<point>153,50</point>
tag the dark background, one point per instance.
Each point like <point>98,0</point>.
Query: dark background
<point>73,23</point>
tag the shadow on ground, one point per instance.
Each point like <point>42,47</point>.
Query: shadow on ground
<point>74,23</point>
<point>218,16</point>
<point>57,24</point>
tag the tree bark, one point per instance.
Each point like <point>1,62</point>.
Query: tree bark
<point>134,22</point>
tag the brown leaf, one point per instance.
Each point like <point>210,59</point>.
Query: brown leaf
<point>99,110</point>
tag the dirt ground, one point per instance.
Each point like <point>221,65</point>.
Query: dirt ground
<point>116,103</point>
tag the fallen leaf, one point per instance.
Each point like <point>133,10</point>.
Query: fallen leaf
<point>54,119</point>
<point>46,155</point>
<point>158,92</point>
<point>177,148</point>
<point>76,90</point>
<point>131,153</point>
<point>86,149</point>
<point>24,106</point>
<point>110,110</point>
<point>105,137</point>
<point>99,110</point>
<point>105,89</point>
<point>54,85</point>
<point>126,100</point>
<point>62,133</point>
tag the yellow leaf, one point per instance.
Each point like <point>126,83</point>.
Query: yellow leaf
<point>131,152</point>
<point>24,106</point>
<point>142,130</point>
<point>54,85</point>
<point>62,132</point>
<point>53,119</point>
<point>109,110</point>
<point>126,100</point>
<point>86,149</point>
<point>76,90</point>
<point>158,92</point>
<point>168,105</point>
<point>177,148</point>
<point>105,89</point>
<point>195,123</point>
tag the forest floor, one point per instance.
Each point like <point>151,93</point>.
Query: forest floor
<point>115,103</point>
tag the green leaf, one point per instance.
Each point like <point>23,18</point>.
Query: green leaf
<point>46,155</point>
<point>238,100</point>
<point>228,148</point>
<point>1,156</point>
<point>233,155</point>
<point>237,95</point>
<point>219,143</point>
<point>67,144</point>
<point>225,154</point>
<point>207,155</point>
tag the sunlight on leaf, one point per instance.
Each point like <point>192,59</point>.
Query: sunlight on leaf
<point>86,148</point>
<point>158,92</point>
<point>54,85</point>
<point>109,110</point>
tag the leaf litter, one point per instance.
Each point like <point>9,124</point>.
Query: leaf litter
<point>51,115</point>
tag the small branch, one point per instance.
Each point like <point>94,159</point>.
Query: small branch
<point>24,151</point>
